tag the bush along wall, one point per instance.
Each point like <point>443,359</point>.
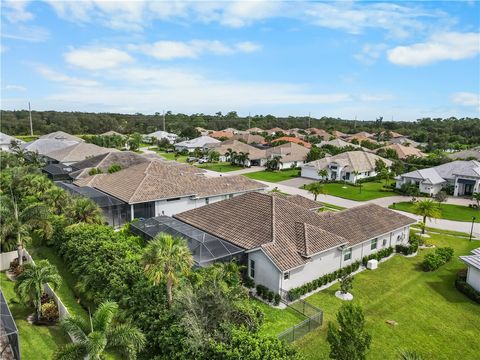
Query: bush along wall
<point>379,255</point>
<point>409,249</point>
<point>433,261</point>
<point>465,288</point>
<point>268,295</point>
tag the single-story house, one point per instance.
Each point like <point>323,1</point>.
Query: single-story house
<point>320,133</point>
<point>403,140</point>
<point>74,153</point>
<point>221,134</point>
<point>464,176</point>
<point>473,272</point>
<point>404,151</point>
<point>293,140</point>
<point>6,141</point>
<point>255,130</point>
<point>275,130</point>
<point>359,138</point>
<point>45,146</point>
<point>471,154</point>
<point>232,130</point>
<point>343,166</point>
<point>61,135</point>
<point>249,138</point>
<point>157,188</point>
<point>339,143</point>
<point>58,172</point>
<point>339,134</point>
<point>290,154</point>
<point>202,131</point>
<point>112,133</point>
<point>159,135</point>
<point>257,157</point>
<point>200,142</point>
<point>287,245</point>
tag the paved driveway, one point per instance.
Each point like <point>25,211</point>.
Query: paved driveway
<point>296,182</point>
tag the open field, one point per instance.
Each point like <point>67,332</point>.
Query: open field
<point>273,176</point>
<point>448,211</point>
<point>36,342</point>
<point>368,191</point>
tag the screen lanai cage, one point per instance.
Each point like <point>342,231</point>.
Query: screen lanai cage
<point>206,248</point>
<point>9,342</point>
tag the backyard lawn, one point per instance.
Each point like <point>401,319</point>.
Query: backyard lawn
<point>36,342</point>
<point>273,176</point>
<point>368,191</point>
<point>448,211</point>
<point>433,318</point>
<point>219,167</point>
<point>170,156</point>
<point>278,320</point>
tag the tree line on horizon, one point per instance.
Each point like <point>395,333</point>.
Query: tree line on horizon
<point>438,133</point>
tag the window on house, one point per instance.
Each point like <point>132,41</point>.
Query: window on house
<point>286,275</point>
<point>347,254</point>
<point>399,238</point>
<point>373,246</point>
<point>207,201</point>
<point>252,268</point>
<point>384,242</point>
<point>347,176</point>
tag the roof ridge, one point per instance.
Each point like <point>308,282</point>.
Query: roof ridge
<point>141,182</point>
<point>273,219</point>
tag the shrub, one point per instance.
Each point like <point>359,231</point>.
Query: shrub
<point>270,295</point>
<point>433,261</point>
<point>248,282</point>
<point>261,290</point>
<point>50,311</point>
<point>445,254</point>
<point>94,171</point>
<point>276,299</point>
<point>114,168</point>
<point>465,288</point>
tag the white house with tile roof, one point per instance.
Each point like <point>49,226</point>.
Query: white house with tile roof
<point>473,272</point>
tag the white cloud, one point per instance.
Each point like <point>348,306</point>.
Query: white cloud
<point>16,11</point>
<point>55,76</point>
<point>442,46</point>
<point>15,88</point>
<point>168,50</point>
<point>370,53</point>
<point>467,99</point>
<point>25,33</point>
<point>96,58</point>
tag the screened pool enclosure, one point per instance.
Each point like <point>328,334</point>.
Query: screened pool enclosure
<point>9,343</point>
<point>206,248</point>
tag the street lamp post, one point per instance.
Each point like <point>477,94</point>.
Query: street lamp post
<point>471,230</point>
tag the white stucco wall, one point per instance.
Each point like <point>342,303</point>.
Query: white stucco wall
<point>312,173</point>
<point>430,189</point>
<point>266,273</point>
<point>473,277</point>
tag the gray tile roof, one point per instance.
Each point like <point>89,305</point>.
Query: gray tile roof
<point>45,146</point>
<point>356,161</point>
<point>78,152</point>
<point>428,176</point>
<point>198,142</point>
<point>7,139</point>
<point>61,135</point>
<point>472,260</point>
<point>465,154</point>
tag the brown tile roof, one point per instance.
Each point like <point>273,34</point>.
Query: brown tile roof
<point>289,152</point>
<point>221,134</point>
<point>249,138</point>
<point>78,152</point>
<point>338,134</point>
<point>404,151</point>
<point>155,180</point>
<point>255,130</point>
<point>320,132</point>
<point>293,140</point>
<point>238,146</point>
<point>289,233</point>
<point>299,200</point>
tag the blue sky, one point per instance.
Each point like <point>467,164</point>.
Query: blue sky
<point>401,60</point>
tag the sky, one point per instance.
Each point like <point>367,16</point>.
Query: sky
<point>364,59</point>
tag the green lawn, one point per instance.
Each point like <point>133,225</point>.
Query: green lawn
<point>433,318</point>
<point>219,167</point>
<point>36,342</point>
<point>331,207</point>
<point>170,156</point>
<point>273,176</point>
<point>448,211</point>
<point>277,320</point>
<point>368,191</point>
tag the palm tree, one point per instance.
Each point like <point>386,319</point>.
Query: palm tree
<point>103,332</point>
<point>476,197</point>
<point>316,189</point>
<point>243,158</point>
<point>85,210</point>
<point>231,156</point>
<point>427,209</point>
<point>409,355</point>
<point>274,163</point>
<point>30,283</point>
<point>355,175</point>
<point>166,258</point>
<point>17,222</point>
<point>56,198</point>
<point>323,174</point>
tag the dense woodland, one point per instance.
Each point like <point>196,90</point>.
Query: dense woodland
<point>438,133</point>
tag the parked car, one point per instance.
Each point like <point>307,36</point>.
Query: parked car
<point>191,159</point>
<point>203,160</point>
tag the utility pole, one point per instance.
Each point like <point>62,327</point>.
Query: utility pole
<point>355,122</point>
<point>163,120</point>
<point>309,120</point>
<point>249,121</point>
<point>30,115</point>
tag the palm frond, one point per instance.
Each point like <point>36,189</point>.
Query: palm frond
<point>72,351</point>
<point>77,327</point>
<point>126,338</point>
<point>102,318</point>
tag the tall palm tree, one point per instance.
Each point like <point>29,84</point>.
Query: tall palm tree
<point>166,258</point>
<point>30,283</point>
<point>85,210</point>
<point>323,173</point>
<point>243,158</point>
<point>231,156</point>
<point>17,222</point>
<point>56,198</point>
<point>427,209</point>
<point>476,197</point>
<point>274,163</point>
<point>102,333</point>
<point>316,189</point>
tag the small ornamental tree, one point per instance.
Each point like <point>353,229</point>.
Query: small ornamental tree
<point>346,283</point>
<point>348,339</point>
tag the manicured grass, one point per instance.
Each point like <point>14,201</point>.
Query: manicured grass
<point>36,342</point>
<point>219,167</point>
<point>171,156</point>
<point>448,211</point>
<point>368,191</point>
<point>277,320</point>
<point>330,207</point>
<point>27,138</point>
<point>273,176</point>
<point>433,318</point>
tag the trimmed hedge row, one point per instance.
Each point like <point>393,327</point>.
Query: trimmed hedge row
<point>268,295</point>
<point>433,261</point>
<point>295,293</point>
<point>465,288</point>
<point>409,249</point>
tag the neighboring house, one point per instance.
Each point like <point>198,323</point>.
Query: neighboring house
<point>45,146</point>
<point>299,200</point>
<point>293,140</point>
<point>286,245</point>
<point>257,157</point>
<point>61,135</point>
<point>473,272</point>
<point>159,135</point>
<point>464,176</point>
<point>74,153</point>
<point>255,130</point>
<point>339,134</point>
<point>343,166</point>
<point>320,133</point>
<point>275,130</point>
<point>103,162</point>
<point>58,172</point>
<point>112,133</point>
<point>201,142</point>
<point>159,188</point>
<point>202,131</point>
<point>403,140</point>
<point>6,141</point>
<point>232,130</point>
<point>404,151</point>
<point>221,134</point>
<point>249,138</point>
<point>466,154</point>
<point>360,137</point>
<point>338,143</point>
<point>291,154</point>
